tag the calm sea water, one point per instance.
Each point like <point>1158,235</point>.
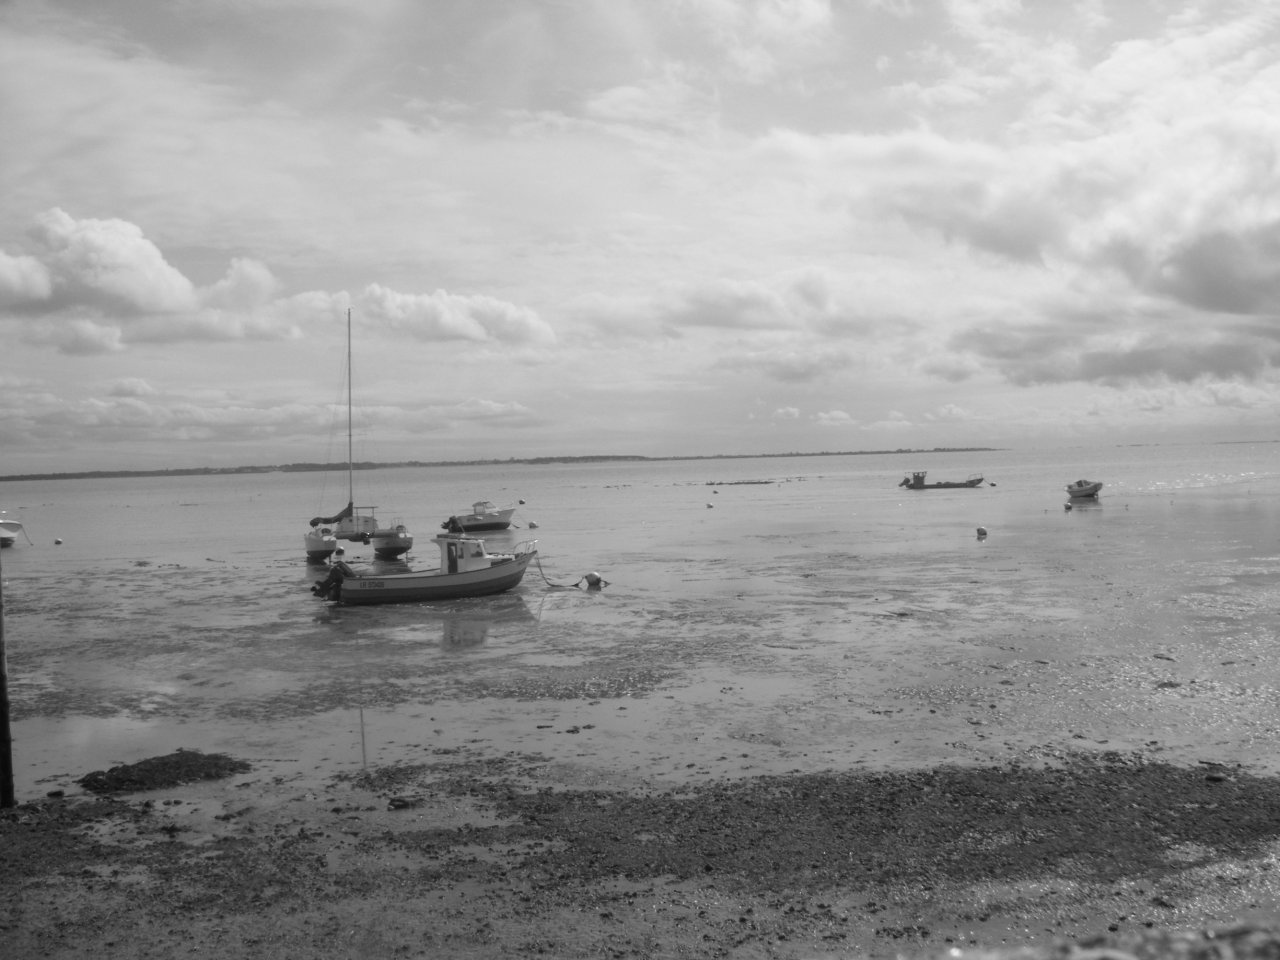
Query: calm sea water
<point>761,615</point>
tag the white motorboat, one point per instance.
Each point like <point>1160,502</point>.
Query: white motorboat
<point>10,530</point>
<point>483,516</point>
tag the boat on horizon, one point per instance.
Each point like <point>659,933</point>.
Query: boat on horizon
<point>916,481</point>
<point>483,516</point>
<point>1083,488</point>
<point>467,569</point>
<point>352,522</point>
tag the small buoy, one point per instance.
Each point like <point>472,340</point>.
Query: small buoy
<point>982,533</point>
<point>594,581</point>
<point>521,501</point>
<point>1066,506</point>
<point>710,505</point>
<point>339,551</point>
<point>58,540</point>
<point>533,525</point>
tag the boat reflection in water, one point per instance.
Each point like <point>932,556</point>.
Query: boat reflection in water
<point>470,623</point>
<point>459,624</point>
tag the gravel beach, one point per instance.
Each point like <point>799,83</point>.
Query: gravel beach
<point>464,856</point>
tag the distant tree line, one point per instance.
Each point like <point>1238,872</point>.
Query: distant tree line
<point>535,461</point>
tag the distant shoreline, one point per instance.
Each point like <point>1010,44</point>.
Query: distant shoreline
<point>532,461</point>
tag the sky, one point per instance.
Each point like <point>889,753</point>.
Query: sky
<point>633,227</point>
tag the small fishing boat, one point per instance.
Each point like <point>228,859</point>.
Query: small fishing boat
<point>916,481</point>
<point>1083,488</point>
<point>483,516</point>
<point>10,530</point>
<point>354,523</point>
<point>466,569</point>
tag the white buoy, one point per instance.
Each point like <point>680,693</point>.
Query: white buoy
<point>533,525</point>
<point>710,506</point>
<point>58,540</point>
<point>522,502</point>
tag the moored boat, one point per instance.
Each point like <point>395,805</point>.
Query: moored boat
<point>916,481</point>
<point>466,569</point>
<point>10,530</point>
<point>1083,488</point>
<point>354,523</point>
<point>483,516</point>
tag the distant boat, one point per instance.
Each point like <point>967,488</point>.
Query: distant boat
<point>483,516</point>
<point>916,482</point>
<point>1083,488</point>
<point>9,531</point>
<point>352,522</point>
<point>466,569</point>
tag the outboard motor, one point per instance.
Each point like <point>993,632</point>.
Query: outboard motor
<point>330,588</point>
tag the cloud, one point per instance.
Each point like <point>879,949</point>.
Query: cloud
<point>760,40</point>
<point>247,284</point>
<point>23,279</point>
<point>670,98</point>
<point>1118,356</point>
<point>949,413</point>
<point>443,316</point>
<point>96,286</point>
<point>492,412</point>
<point>76,337</point>
<point>789,366</point>
<point>108,265</point>
<point>132,387</point>
<point>834,418</point>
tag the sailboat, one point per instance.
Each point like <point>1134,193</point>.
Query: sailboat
<point>352,522</point>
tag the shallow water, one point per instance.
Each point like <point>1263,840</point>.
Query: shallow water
<point>762,615</point>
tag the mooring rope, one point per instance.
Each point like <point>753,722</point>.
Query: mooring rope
<point>593,580</point>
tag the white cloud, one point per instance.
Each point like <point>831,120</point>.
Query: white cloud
<point>109,265</point>
<point>445,316</point>
<point>23,279</point>
<point>834,418</point>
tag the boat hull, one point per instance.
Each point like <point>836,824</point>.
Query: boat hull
<point>1083,490</point>
<point>944,485</point>
<point>434,585</point>
<point>388,546</point>
<point>9,530</point>
<point>319,545</point>
<point>478,521</point>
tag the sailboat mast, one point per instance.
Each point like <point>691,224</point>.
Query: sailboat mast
<point>351,484</point>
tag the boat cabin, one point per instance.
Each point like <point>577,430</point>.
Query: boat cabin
<point>915,480</point>
<point>460,553</point>
<point>357,526</point>
<point>481,507</point>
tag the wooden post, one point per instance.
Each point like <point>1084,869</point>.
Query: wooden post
<point>6,740</point>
